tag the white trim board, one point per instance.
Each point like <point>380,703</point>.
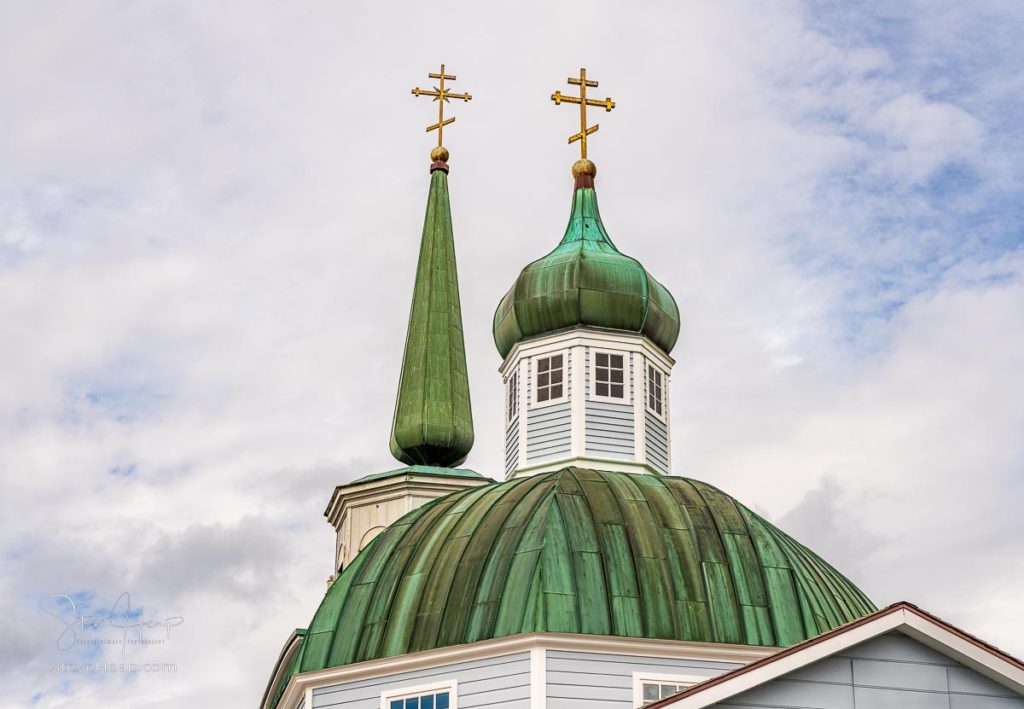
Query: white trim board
<point>538,678</point>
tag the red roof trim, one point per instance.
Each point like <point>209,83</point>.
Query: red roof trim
<point>793,649</point>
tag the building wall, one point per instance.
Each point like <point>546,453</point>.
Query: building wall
<point>548,432</point>
<point>512,444</point>
<point>581,426</point>
<point>590,680</point>
<point>888,672</point>
<point>549,428</point>
<point>657,441</point>
<point>609,427</point>
<point>500,682</point>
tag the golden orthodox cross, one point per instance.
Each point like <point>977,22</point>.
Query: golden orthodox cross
<point>441,95</point>
<point>583,82</point>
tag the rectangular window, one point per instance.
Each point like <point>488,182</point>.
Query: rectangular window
<point>609,375</point>
<point>512,398</point>
<point>550,378</point>
<point>648,689</point>
<point>437,696</point>
<point>655,390</point>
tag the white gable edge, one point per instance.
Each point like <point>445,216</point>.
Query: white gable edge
<point>900,619</point>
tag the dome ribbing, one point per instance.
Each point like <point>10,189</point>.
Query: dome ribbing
<point>578,551</point>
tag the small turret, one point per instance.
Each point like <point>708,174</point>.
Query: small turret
<point>585,333</point>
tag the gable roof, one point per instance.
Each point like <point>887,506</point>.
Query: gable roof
<point>902,617</point>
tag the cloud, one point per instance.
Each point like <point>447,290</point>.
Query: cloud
<point>926,136</point>
<point>208,229</point>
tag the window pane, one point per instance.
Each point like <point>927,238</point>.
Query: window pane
<point>657,407</point>
<point>650,692</point>
<point>427,702</point>
<point>396,704</point>
<point>602,359</point>
<point>617,376</point>
<point>412,703</point>
<point>652,403</point>
<point>616,391</point>
<point>542,394</point>
<point>556,391</point>
<point>601,389</point>
<point>616,361</point>
<point>542,364</point>
<point>442,700</point>
<point>542,379</point>
<point>556,362</point>
<point>601,375</point>
<point>556,376</point>
<point>667,690</point>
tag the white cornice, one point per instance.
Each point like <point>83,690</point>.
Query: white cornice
<point>345,496</point>
<point>586,336</point>
<point>615,465</point>
<point>712,652</point>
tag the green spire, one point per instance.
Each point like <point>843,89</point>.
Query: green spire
<point>433,422</point>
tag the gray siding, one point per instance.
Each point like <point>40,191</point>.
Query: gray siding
<point>589,680</point>
<point>512,445</point>
<point>548,432</point>
<point>888,672</point>
<point>610,429</point>
<point>500,682</point>
<point>657,441</point>
<point>549,428</point>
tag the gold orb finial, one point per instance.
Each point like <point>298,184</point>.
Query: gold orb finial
<point>439,154</point>
<point>584,167</point>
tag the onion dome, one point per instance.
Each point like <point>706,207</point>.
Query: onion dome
<point>587,281</point>
<point>578,551</point>
<point>433,422</point>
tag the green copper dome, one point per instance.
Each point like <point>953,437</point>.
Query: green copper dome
<point>578,551</point>
<point>586,281</point>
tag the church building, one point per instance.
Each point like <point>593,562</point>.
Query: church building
<point>590,577</point>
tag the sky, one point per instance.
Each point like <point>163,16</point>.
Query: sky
<point>209,223</point>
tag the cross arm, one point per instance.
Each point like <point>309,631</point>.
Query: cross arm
<point>441,124</point>
<point>558,98</point>
<point>607,104</point>
<point>581,134</point>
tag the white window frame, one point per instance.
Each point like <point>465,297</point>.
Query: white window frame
<point>512,396</point>
<point>626,383</point>
<point>648,366</point>
<point>534,361</point>
<point>642,678</point>
<point>449,685</point>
